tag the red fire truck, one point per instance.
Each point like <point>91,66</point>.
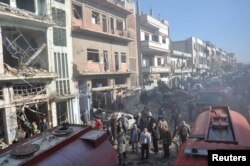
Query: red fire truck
<point>217,128</point>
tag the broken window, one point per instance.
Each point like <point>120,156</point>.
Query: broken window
<point>105,60</point>
<point>61,1</point>
<point>59,17</point>
<point>155,38</point>
<point>93,55</point>
<point>146,37</point>
<point>158,61</point>
<point>24,90</point>
<point>119,25</point>
<point>5,1</point>
<point>77,11</point>
<point>59,37</point>
<point>163,40</point>
<point>104,23</point>
<point>120,80</point>
<point>101,82</point>
<point>112,27</point>
<point>116,61</point>
<point>61,112</point>
<point>29,5</point>
<point>123,57</point>
<point>95,17</point>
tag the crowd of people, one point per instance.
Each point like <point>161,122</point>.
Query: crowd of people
<point>30,129</point>
<point>147,133</point>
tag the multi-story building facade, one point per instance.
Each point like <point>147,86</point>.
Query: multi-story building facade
<point>155,48</point>
<point>60,48</point>
<point>196,47</point>
<point>205,55</point>
<point>105,59</point>
<point>181,63</point>
<point>25,74</point>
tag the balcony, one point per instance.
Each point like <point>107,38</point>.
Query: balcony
<point>123,7</point>
<point>185,70</point>
<point>179,54</point>
<point>23,17</point>
<point>152,47</point>
<point>84,26</point>
<point>153,23</point>
<point>203,66</point>
<point>156,69</point>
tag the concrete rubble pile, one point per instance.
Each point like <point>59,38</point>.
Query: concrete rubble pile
<point>23,71</point>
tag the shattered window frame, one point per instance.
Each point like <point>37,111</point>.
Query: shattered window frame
<point>24,6</point>
<point>93,55</point>
<point>77,11</point>
<point>96,18</point>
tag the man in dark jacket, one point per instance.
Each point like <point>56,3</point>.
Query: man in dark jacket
<point>141,122</point>
<point>155,137</point>
<point>135,138</point>
<point>150,121</point>
<point>166,139</point>
<point>175,116</point>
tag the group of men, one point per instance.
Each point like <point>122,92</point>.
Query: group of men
<point>152,131</point>
<point>147,132</point>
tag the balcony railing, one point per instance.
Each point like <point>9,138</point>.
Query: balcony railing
<point>184,70</point>
<point>16,14</point>
<point>148,20</point>
<point>156,46</point>
<point>100,29</point>
<point>156,69</point>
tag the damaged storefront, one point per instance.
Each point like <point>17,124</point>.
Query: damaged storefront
<point>25,78</point>
<point>106,94</point>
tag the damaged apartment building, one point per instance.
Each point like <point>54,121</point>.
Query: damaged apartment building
<point>155,49</point>
<point>27,76</point>
<point>105,60</point>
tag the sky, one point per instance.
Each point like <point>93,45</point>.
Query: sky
<point>225,23</point>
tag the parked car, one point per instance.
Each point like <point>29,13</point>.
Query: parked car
<point>130,118</point>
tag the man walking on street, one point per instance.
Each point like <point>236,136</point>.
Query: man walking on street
<point>121,148</point>
<point>166,139</point>
<point>135,138</point>
<point>184,131</point>
<point>155,136</point>
<point>145,140</point>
